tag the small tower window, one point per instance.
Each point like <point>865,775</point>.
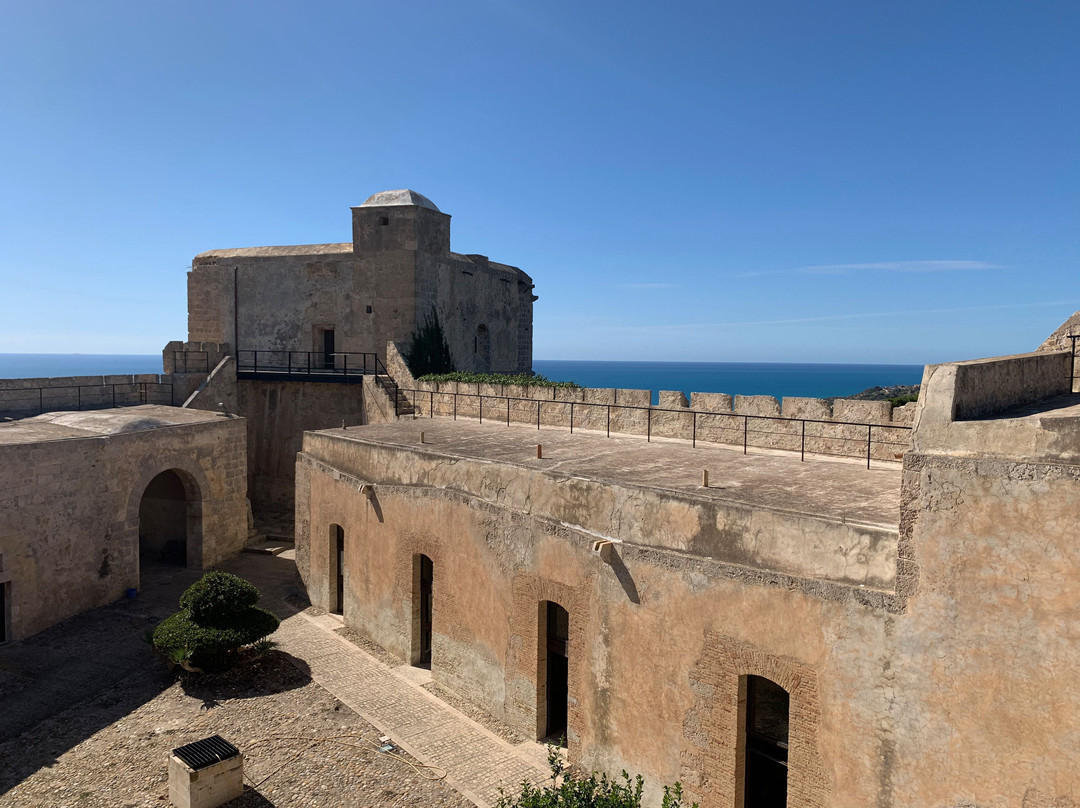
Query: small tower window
<point>383,221</point>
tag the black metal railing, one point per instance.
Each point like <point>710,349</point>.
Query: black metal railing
<point>338,365</point>
<point>191,361</point>
<point>27,401</point>
<point>744,428</point>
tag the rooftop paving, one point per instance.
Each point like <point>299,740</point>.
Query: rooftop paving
<point>99,423</point>
<point>823,487</point>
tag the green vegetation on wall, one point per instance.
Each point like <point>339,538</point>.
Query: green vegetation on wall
<point>428,351</point>
<point>495,378</point>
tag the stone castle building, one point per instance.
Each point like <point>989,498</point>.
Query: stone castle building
<point>354,297</point>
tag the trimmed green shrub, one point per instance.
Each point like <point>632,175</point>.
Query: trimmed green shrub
<point>217,616</point>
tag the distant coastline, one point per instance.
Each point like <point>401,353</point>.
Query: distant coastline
<point>742,378</point>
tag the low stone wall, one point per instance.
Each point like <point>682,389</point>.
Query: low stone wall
<point>20,398</point>
<point>988,386</point>
<point>815,426</point>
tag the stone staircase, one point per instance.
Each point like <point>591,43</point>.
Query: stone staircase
<point>402,406</point>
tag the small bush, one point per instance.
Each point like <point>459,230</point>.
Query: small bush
<point>497,378</point>
<point>594,791</point>
<point>217,616</point>
<point>218,596</point>
<point>900,401</point>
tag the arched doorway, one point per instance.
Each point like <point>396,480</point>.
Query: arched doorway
<point>553,681</point>
<point>764,742</point>
<point>170,521</point>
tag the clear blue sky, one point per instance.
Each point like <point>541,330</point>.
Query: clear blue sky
<point>729,181</point>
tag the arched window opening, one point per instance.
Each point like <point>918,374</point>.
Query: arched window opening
<point>553,680</point>
<point>764,743</point>
<point>422,610</point>
<point>168,515</point>
<point>337,571</point>
<point>482,349</point>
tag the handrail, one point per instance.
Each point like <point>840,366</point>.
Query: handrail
<point>869,442</point>
<point>308,363</point>
<point>143,391</point>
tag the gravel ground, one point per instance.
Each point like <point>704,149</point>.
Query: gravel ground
<point>301,746</point>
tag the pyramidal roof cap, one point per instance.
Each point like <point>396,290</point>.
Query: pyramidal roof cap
<point>400,197</point>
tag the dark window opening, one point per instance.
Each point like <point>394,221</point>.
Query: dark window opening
<point>423,578</point>
<point>766,744</point>
<point>3,613</point>
<point>482,349</point>
<point>554,640</point>
<point>328,348</point>
<point>337,569</point>
<point>369,309</point>
<point>384,221</point>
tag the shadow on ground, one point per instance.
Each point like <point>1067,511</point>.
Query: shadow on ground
<point>100,661</point>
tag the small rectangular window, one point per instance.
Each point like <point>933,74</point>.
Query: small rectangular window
<point>369,309</point>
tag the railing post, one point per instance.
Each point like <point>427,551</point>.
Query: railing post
<point>538,414</point>
<point>745,431</point>
<point>113,387</point>
<point>345,364</point>
<point>693,439</point>
<point>256,361</point>
<point>40,401</point>
<point>508,410</point>
<point>648,425</point>
<point>609,420</point>
<point>481,406</point>
<point>431,404</point>
<point>802,449</point>
<point>78,389</point>
<point>571,417</point>
<point>868,428</point>
<point>455,405</point>
<point>397,406</point>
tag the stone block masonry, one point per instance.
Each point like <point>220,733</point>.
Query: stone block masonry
<point>840,428</point>
<point>74,488</point>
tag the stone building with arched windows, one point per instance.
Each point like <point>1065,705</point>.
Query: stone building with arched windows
<point>792,631</point>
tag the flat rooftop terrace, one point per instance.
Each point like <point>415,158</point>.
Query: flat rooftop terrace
<point>100,423</point>
<point>840,490</point>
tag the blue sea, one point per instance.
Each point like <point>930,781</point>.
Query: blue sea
<point>745,378</point>
<point>737,378</point>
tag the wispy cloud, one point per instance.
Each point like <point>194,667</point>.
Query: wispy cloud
<point>862,315</point>
<point>936,265</point>
<point>647,285</point>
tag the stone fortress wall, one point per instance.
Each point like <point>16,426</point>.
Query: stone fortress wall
<point>917,615</point>
<point>842,427</point>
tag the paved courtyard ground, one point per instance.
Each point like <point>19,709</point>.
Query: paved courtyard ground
<point>88,714</point>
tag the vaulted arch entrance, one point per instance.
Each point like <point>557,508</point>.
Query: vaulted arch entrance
<point>170,521</point>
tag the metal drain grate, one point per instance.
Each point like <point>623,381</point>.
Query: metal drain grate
<point>208,751</point>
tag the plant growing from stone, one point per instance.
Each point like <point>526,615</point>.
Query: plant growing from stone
<point>428,350</point>
<point>217,617</point>
<point>595,791</point>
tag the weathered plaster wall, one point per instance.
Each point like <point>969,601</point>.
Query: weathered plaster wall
<point>658,642</point>
<point>70,494</point>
